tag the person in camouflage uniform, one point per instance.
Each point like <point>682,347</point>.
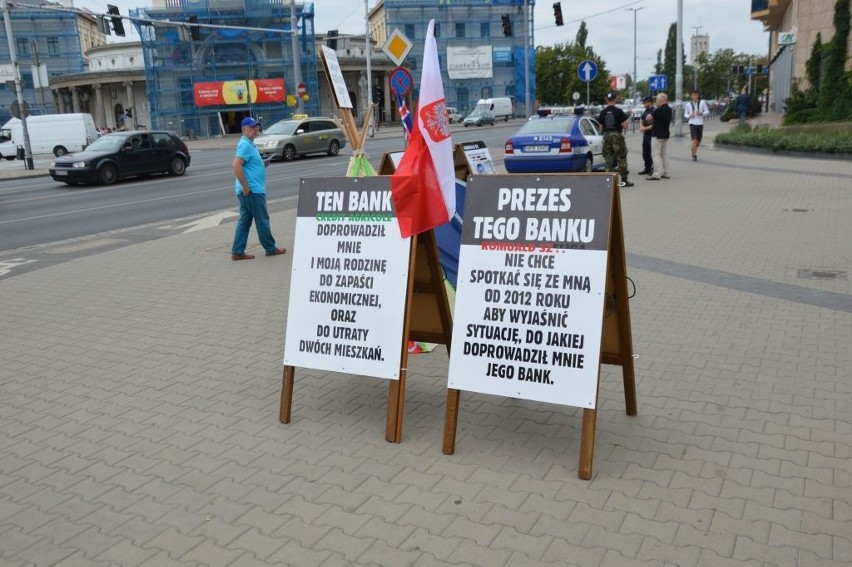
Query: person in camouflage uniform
<point>614,122</point>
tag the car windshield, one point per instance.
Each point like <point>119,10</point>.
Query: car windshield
<point>282,128</point>
<point>547,126</point>
<point>108,143</point>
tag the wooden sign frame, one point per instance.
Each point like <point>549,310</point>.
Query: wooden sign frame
<point>616,344</point>
<point>427,314</point>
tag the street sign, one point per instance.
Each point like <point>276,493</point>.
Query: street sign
<point>787,38</point>
<point>400,81</point>
<point>397,47</point>
<point>587,71</point>
<point>7,72</point>
<point>658,82</point>
<point>576,96</point>
<point>301,89</point>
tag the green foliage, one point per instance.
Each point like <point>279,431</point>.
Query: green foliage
<point>826,140</point>
<point>829,85</point>
<point>556,73</point>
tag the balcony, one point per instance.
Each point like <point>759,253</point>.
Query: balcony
<point>770,12</point>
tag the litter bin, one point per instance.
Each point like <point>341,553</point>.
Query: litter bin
<point>21,153</point>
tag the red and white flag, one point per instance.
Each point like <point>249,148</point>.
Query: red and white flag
<point>423,187</point>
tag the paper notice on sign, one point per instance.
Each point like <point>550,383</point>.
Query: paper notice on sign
<point>531,287</point>
<point>335,77</point>
<point>348,284</point>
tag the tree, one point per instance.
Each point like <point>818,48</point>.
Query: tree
<point>556,74</point>
<point>582,35</point>
<point>669,58</point>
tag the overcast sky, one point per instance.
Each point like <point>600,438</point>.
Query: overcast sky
<point>610,25</point>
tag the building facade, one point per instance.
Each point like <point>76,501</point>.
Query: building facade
<point>56,39</point>
<point>481,46</point>
<point>698,44</point>
<point>793,26</point>
<point>202,80</point>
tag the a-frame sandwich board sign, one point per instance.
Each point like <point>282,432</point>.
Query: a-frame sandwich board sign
<point>542,296</point>
<point>359,291</point>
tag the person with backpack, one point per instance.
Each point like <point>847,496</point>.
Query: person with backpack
<point>695,111</point>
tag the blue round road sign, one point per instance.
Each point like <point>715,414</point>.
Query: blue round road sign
<point>400,81</point>
<point>587,71</point>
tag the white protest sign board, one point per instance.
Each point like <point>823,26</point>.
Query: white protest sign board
<point>348,281</point>
<point>335,75</point>
<point>531,286</point>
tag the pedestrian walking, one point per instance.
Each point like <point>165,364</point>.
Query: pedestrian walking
<point>694,112</point>
<point>614,123</point>
<point>250,186</point>
<point>661,120</point>
<point>645,126</point>
<point>741,105</point>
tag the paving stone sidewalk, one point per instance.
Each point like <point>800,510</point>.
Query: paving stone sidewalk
<point>139,397</point>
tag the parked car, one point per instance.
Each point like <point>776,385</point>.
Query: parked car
<point>478,118</point>
<point>453,115</point>
<point>555,144</point>
<point>289,139</point>
<point>121,155</point>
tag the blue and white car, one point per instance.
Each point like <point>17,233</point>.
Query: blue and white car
<point>555,144</point>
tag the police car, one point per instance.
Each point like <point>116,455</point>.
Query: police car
<point>555,144</point>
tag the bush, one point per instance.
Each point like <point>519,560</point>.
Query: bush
<point>830,139</point>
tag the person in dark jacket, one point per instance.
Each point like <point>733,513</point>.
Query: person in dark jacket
<point>645,127</point>
<point>661,120</point>
<point>614,122</point>
<point>741,105</point>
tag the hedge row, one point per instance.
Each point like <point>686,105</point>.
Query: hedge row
<point>793,140</point>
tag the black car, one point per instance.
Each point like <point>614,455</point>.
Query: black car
<point>123,154</point>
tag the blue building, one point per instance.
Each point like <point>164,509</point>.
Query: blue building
<point>53,39</point>
<point>209,78</point>
<point>481,45</point>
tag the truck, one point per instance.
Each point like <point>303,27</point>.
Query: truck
<point>500,108</point>
<point>58,134</point>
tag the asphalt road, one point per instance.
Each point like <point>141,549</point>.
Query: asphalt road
<point>39,216</point>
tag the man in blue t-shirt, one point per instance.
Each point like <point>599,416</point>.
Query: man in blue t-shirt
<point>250,186</point>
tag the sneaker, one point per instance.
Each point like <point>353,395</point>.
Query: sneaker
<point>646,172</point>
<point>665,176</point>
<point>652,178</point>
<point>626,184</point>
<point>695,158</point>
<point>243,256</point>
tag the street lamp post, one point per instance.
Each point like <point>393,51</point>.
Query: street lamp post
<point>634,10</point>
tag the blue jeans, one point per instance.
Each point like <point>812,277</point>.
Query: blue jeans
<point>253,207</point>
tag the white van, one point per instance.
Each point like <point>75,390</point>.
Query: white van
<point>500,108</point>
<point>58,134</point>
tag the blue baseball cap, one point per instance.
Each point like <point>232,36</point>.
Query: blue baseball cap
<point>248,122</point>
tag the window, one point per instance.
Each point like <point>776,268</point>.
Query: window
<point>53,46</point>
<point>460,30</point>
<point>163,140</point>
<point>485,29</point>
<point>409,31</point>
<point>437,30</point>
<point>23,46</point>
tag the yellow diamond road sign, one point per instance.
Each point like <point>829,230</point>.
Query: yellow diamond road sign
<point>397,47</point>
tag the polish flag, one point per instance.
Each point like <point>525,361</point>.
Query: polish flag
<point>423,187</point>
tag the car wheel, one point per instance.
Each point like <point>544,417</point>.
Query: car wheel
<point>108,174</point>
<point>506,119</point>
<point>289,153</point>
<point>465,124</point>
<point>587,167</point>
<point>177,167</point>
<point>59,151</point>
<point>9,158</point>
<point>334,148</point>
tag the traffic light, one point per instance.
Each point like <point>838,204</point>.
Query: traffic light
<point>117,24</point>
<point>761,69</point>
<point>194,30</point>
<point>331,39</point>
<point>507,25</point>
<point>557,13</point>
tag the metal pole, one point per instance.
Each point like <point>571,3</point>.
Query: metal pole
<point>19,91</point>
<point>368,48</point>
<point>635,79</point>
<point>526,59</point>
<point>297,66</point>
<point>679,71</point>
